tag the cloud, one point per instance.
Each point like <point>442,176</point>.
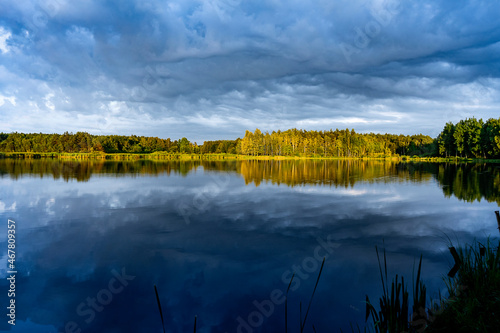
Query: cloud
<point>4,208</point>
<point>4,36</point>
<point>10,99</point>
<point>211,69</point>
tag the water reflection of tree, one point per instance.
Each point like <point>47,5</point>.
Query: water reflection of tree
<point>83,170</point>
<point>326,172</point>
<point>469,182</point>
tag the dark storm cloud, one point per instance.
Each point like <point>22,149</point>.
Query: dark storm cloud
<point>211,69</point>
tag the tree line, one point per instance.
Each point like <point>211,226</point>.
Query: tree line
<point>467,138</point>
<point>470,138</point>
<point>338,143</point>
<point>292,142</point>
<point>82,142</point>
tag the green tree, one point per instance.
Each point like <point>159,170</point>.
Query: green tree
<point>460,137</point>
<point>490,138</point>
<point>446,140</point>
<point>184,146</point>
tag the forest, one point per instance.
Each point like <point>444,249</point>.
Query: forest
<point>292,142</point>
<point>470,138</point>
<point>467,138</point>
<point>338,143</point>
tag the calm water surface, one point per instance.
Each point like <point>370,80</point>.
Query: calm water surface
<point>220,240</point>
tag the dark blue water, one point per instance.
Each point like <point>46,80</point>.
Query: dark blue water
<point>94,240</point>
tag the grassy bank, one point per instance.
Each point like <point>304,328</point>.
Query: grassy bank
<point>449,159</point>
<point>169,156</point>
<point>472,305</point>
<point>182,156</point>
<point>120,156</point>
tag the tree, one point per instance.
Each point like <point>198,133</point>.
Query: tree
<point>446,140</point>
<point>184,146</point>
<point>257,144</point>
<point>474,127</point>
<point>459,136</point>
<point>246,143</point>
<point>490,138</point>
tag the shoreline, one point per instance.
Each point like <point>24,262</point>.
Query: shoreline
<point>161,156</point>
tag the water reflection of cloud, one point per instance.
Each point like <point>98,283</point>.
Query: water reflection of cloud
<point>329,191</point>
<point>231,254</point>
<point>4,208</point>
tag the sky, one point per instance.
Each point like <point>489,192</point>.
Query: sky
<point>212,69</point>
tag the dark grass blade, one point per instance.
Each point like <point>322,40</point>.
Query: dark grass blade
<point>380,269</point>
<point>300,316</point>
<point>418,276</point>
<point>286,303</point>
<point>195,324</point>
<point>497,214</point>
<point>456,257</point>
<point>310,301</point>
<point>419,298</point>
<point>394,307</point>
<point>385,266</point>
<point>159,307</point>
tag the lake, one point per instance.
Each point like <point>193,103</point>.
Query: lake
<point>221,240</point>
